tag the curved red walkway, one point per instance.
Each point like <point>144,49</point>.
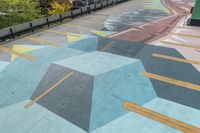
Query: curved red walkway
<point>158,28</point>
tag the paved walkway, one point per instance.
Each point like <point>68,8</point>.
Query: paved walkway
<point>133,68</point>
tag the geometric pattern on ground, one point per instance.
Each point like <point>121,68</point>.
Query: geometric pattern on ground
<point>93,96</point>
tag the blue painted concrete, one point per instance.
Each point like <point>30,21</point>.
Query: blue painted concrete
<point>21,77</point>
<point>95,63</point>
<point>88,44</point>
<point>112,88</point>
<point>116,78</point>
<point>135,123</point>
<point>17,119</point>
<point>177,111</point>
<point>3,64</point>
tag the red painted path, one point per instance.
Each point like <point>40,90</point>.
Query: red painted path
<point>151,31</point>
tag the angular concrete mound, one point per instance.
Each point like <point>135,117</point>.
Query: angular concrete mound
<point>93,96</point>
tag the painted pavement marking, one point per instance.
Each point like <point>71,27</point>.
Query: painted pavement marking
<point>172,81</point>
<point>179,125</point>
<point>49,90</point>
<point>56,32</point>
<point>10,51</point>
<point>175,59</point>
<point>180,44</point>
<point>41,41</point>
<point>75,26</point>
<point>184,35</point>
<point>61,33</point>
<point>188,27</point>
<point>107,46</point>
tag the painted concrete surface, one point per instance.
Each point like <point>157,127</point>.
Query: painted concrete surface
<point>16,118</point>
<point>96,63</point>
<point>72,99</point>
<point>188,53</point>
<point>116,79</point>
<point>107,72</point>
<point>28,74</point>
<point>3,64</point>
<point>13,116</point>
<point>150,10</point>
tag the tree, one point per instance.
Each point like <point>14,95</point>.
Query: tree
<point>58,8</point>
<point>13,12</point>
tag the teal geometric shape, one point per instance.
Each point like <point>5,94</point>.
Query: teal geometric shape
<point>17,119</point>
<point>21,77</point>
<point>96,62</point>
<point>116,79</point>
<point>112,88</point>
<point>3,64</point>
<point>88,44</point>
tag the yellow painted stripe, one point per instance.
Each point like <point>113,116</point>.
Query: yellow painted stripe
<point>179,125</point>
<point>176,59</point>
<point>56,32</point>
<point>172,81</point>
<point>185,35</point>
<point>107,46</point>
<point>188,27</point>
<point>180,44</point>
<point>62,33</point>
<point>41,41</point>
<point>10,51</point>
<point>49,90</point>
<point>78,26</point>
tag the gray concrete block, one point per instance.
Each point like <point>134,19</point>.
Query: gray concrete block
<point>84,9</point>
<point>76,12</point>
<point>21,27</point>
<point>92,7</point>
<point>39,22</point>
<point>4,32</point>
<point>104,3</point>
<point>54,18</point>
<point>98,5</point>
<point>66,14</point>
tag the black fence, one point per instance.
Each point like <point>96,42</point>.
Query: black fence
<point>14,31</point>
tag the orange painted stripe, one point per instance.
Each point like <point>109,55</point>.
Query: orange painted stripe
<point>41,41</point>
<point>62,33</point>
<point>180,44</point>
<point>172,81</point>
<point>188,27</point>
<point>179,125</point>
<point>176,59</point>
<point>78,26</point>
<point>185,35</point>
<point>49,90</point>
<point>107,46</point>
<point>10,51</point>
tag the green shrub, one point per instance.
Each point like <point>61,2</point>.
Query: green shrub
<point>14,12</point>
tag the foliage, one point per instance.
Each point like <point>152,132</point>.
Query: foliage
<point>58,8</point>
<point>13,12</point>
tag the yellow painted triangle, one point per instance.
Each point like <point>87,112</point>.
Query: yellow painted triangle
<point>74,37</point>
<point>100,33</point>
<point>21,49</point>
